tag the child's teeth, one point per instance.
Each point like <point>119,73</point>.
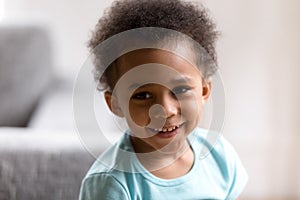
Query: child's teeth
<point>166,129</point>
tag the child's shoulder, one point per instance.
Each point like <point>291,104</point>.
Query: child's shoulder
<point>110,161</point>
<point>108,168</point>
<point>212,146</point>
<point>206,142</point>
<point>219,156</point>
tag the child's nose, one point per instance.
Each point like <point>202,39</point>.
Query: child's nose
<point>169,106</point>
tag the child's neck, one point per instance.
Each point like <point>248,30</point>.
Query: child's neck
<point>181,166</point>
<point>166,165</point>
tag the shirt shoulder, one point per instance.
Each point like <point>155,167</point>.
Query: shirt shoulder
<point>220,156</point>
<point>105,178</point>
<point>112,159</point>
<point>96,186</point>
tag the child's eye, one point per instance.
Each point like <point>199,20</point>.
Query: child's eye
<point>180,90</point>
<point>142,96</point>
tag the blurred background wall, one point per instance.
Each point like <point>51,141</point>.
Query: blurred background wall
<point>259,60</point>
<point>69,22</point>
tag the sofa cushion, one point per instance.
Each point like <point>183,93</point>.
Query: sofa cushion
<point>25,71</point>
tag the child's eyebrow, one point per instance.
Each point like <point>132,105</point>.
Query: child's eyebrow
<point>174,81</point>
<point>182,79</point>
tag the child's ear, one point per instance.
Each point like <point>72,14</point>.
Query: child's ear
<point>206,90</point>
<point>113,104</point>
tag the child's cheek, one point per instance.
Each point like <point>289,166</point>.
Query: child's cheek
<point>139,114</point>
<point>191,111</point>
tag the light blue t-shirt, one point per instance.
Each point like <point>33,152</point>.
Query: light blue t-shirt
<point>118,174</point>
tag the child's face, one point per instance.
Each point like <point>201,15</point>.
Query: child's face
<point>166,103</point>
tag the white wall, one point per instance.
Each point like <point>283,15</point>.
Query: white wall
<point>259,60</point>
<point>2,10</point>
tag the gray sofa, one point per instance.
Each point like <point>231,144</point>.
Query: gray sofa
<point>36,164</point>
<point>25,72</point>
<point>41,156</point>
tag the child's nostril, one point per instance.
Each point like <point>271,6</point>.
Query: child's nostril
<point>157,116</point>
<point>157,111</point>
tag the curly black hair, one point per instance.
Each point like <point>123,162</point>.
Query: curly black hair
<point>178,15</point>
